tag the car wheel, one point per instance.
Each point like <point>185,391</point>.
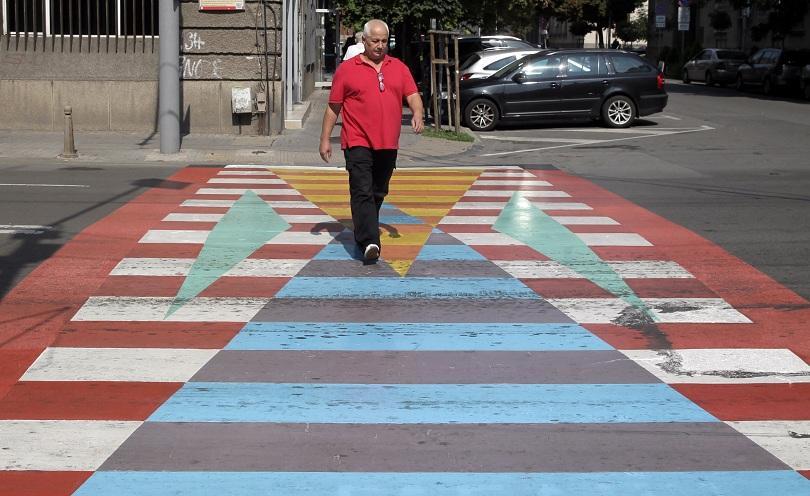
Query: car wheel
<point>482,115</point>
<point>709,79</point>
<point>738,83</point>
<point>767,86</point>
<point>618,111</point>
<point>685,78</point>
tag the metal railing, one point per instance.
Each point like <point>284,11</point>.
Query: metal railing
<point>80,25</point>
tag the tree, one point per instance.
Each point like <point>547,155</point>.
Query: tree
<point>782,16</point>
<point>596,14</point>
<point>633,30</point>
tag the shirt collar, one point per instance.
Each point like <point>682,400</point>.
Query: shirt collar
<point>359,60</point>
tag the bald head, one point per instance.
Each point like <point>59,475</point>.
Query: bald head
<point>375,40</point>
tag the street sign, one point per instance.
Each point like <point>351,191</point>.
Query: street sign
<point>660,21</point>
<point>683,3</point>
<point>683,18</point>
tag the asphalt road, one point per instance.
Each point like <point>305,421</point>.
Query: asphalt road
<point>44,206</point>
<point>732,167</point>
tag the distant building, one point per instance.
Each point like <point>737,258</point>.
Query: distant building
<point>101,58</point>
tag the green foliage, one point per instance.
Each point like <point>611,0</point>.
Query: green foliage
<point>416,13</point>
<point>430,132</point>
<point>719,20</point>
<point>782,15</point>
<point>633,30</point>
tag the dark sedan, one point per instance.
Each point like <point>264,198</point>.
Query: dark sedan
<point>714,65</point>
<point>611,85</point>
<point>773,69</point>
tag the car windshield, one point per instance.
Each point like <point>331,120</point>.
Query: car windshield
<point>730,55</point>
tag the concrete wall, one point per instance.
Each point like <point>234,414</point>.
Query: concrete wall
<point>111,83</point>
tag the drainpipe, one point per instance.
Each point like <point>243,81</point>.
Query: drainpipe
<point>169,77</point>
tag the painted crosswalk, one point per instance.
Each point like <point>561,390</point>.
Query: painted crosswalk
<point>587,352</point>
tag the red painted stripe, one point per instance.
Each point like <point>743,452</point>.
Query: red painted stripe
<point>579,229</point>
<point>183,226</point>
<point>195,335</point>
<point>13,364</point>
<point>332,226</point>
<point>298,211</point>
<point>30,483</point>
<point>507,187</point>
<point>566,288</point>
<point>805,473</point>
<point>245,287</point>
<point>670,288</point>
<point>84,400</point>
<point>478,212</point>
<point>739,402</point>
<point>165,286</point>
<point>508,252</point>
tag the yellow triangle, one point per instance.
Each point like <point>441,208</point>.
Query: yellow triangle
<point>424,194</point>
<point>400,266</point>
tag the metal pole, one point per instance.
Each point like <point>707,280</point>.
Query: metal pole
<point>169,78</point>
<point>69,150</point>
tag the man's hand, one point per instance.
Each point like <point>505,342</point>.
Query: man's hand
<point>418,124</point>
<point>326,150</point>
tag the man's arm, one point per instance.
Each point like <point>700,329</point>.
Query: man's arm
<point>329,119</point>
<point>415,104</point>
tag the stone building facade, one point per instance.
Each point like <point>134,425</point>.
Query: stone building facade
<point>101,58</point>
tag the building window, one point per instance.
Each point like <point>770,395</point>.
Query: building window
<point>81,17</point>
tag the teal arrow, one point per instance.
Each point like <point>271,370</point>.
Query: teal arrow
<point>527,223</point>
<point>246,227</point>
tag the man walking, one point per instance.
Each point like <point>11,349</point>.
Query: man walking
<point>370,89</point>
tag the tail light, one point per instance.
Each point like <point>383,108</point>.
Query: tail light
<point>466,76</point>
<point>660,81</point>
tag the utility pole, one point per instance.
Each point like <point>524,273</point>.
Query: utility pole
<point>169,77</point>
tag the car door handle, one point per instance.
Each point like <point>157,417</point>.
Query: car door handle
<point>605,82</point>
<point>555,85</point>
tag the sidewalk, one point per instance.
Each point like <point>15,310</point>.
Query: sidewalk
<point>292,147</point>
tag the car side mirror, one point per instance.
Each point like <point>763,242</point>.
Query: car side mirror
<point>519,78</point>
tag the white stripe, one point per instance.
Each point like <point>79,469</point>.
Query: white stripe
<point>613,239</point>
<point>241,191</point>
<point>775,437</point>
<point>638,269</point>
<point>561,206</point>
<point>218,180</point>
<point>199,237</point>
<point>722,366</point>
<point>509,193</point>
<point>641,269</point>
<point>118,364</point>
<point>666,310</point>
<point>508,174</point>
<point>471,205</point>
<point>245,173</point>
<point>230,203</point>
<point>521,139</point>
<point>38,185</point>
<point>154,309</point>
<point>25,226</point>
<point>590,239</point>
<point>60,445</point>
<point>503,182</point>
<point>564,220</point>
<point>571,220</point>
<point>292,219</point>
<point>174,267</point>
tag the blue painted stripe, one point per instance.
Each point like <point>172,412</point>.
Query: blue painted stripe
<point>338,251</point>
<point>414,336</point>
<point>399,219</point>
<point>781,482</point>
<point>428,403</point>
<point>405,287</point>
<point>448,252</point>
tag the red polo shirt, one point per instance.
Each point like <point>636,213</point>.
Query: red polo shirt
<point>371,117</point>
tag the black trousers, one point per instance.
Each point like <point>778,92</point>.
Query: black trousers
<point>369,174</point>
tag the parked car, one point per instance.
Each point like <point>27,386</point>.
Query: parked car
<point>470,44</point>
<point>714,65</point>
<point>805,81</point>
<point>487,62</point>
<point>611,85</point>
<point>773,69</point>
